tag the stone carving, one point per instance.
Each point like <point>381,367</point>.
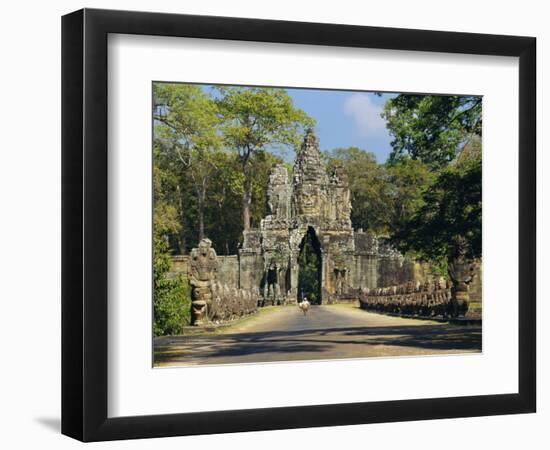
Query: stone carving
<point>428,299</point>
<point>278,194</point>
<point>316,201</point>
<point>462,273</point>
<point>231,303</point>
<point>202,273</point>
<point>212,301</point>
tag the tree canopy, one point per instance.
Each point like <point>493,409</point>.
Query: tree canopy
<point>432,128</point>
<point>369,187</point>
<point>427,196</point>
<point>443,224</point>
<point>212,155</point>
<point>186,131</point>
<point>383,195</point>
<point>255,119</point>
<point>448,222</point>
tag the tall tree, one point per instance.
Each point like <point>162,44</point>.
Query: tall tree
<point>432,128</point>
<point>165,209</point>
<point>223,204</point>
<point>187,132</point>
<point>443,224</point>
<point>447,227</point>
<point>255,119</point>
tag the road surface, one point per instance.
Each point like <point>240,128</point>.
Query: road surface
<point>326,332</point>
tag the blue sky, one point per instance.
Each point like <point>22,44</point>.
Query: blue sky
<point>347,118</point>
<point>344,119</point>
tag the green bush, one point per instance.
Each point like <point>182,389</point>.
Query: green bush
<point>171,296</point>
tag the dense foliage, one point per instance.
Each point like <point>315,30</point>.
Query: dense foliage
<point>444,133</point>
<point>369,187</point>
<point>171,296</point>
<point>448,222</point>
<point>383,196</point>
<point>432,128</point>
<point>427,196</point>
<point>217,148</point>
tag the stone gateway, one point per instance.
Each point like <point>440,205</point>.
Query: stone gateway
<point>314,202</point>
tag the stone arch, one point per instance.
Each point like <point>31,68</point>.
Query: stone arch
<point>310,267</point>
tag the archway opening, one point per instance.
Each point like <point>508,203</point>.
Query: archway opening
<point>309,268</point>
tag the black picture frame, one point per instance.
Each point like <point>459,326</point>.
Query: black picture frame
<point>84,224</point>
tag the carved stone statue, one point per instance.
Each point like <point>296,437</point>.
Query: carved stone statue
<point>203,266</point>
<point>278,193</point>
<point>462,273</point>
<point>341,280</point>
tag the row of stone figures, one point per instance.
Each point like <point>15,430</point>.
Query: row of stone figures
<point>212,301</point>
<point>230,303</point>
<point>429,299</point>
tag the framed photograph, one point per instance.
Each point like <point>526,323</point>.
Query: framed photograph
<point>273,225</point>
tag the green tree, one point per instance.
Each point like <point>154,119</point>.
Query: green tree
<point>171,297</point>
<point>432,128</point>
<point>255,119</point>
<point>435,166</point>
<point>447,227</point>
<point>369,187</point>
<point>186,131</point>
<point>223,205</point>
<point>407,180</point>
<point>382,195</point>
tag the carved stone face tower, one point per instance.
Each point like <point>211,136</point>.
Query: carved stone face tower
<point>315,202</point>
<point>309,182</point>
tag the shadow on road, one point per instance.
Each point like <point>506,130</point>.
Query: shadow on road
<point>439,338</point>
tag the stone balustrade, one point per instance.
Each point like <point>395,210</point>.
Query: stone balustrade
<point>428,299</point>
<point>212,300</point>
<point>229,303</point>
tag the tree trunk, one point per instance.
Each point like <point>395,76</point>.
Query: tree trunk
<point>247,190</point>
<point>181,236</point>
<point>201,194</point>
<point>247,201</point>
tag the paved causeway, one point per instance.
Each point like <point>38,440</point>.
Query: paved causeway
<point>327,332</point>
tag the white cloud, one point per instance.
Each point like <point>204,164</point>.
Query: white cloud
<point>365,114</point>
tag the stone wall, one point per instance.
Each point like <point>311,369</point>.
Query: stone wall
<point>251,261</point>
<point>475,287</point>
<point>366,271</point>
